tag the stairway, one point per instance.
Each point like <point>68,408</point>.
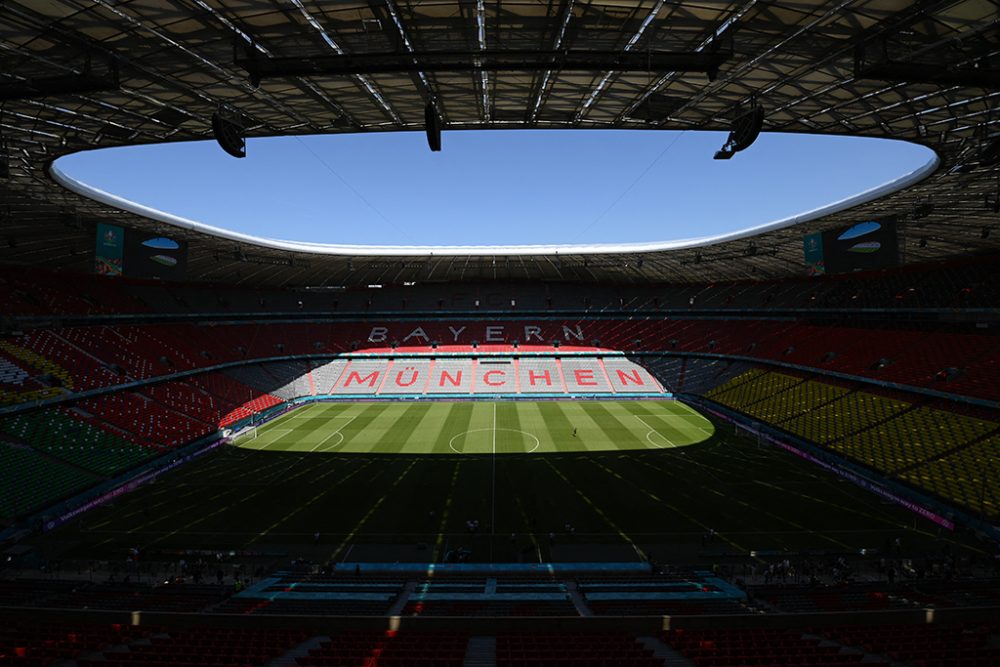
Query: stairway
<point>396,608</point>
<point>670,657</point>
<point>576,598</point>
<point>287,659</point>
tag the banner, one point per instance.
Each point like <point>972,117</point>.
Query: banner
<point>109,250</point>
<point>813,250</point>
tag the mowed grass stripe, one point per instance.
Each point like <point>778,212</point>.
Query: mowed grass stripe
<point>532,421</point>
<point>478,437</point>
<point>292,431</point>
<point>665,422</point>
<point>588,431</point>
<point>431,427</point>
<point>559,427</point>
<point>618,430</point>
<point>511,441</point>
<point>456,421</point>
<point>404,428</point>
<point>360,431</point>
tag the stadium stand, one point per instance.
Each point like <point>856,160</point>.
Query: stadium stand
<point>202,647</point>
<point>34,645</point>
<point>67,436</point>
<point>24,468</point>
<point>585,649</point>
<point>393,649</point>
<point>542,376</point>
<point>130,461</point>
<point>453,376</point>
<point>940,447</point>
<point>410,376</point>
<point>80,358</point>
<point>734,647</point>
<point>936,646</point>
<point>284,379</point>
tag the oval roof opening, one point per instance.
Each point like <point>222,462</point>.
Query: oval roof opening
<point>496,189</point>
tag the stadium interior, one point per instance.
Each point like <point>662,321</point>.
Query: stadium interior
<point>773,447</point>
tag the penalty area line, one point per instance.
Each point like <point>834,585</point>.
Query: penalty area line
<point>336,431</point>
<point>270,440</point>
<point>651,431</point>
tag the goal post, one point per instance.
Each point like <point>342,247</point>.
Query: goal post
<point>247,433</point>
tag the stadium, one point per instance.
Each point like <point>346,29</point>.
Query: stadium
<point>773,446</point>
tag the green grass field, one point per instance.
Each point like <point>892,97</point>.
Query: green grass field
<point>536,427</point>
<point>626,492</point>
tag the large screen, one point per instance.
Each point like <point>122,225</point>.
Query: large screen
<point>861,247</point>
<point>154,256</point>
<point>138,254</point>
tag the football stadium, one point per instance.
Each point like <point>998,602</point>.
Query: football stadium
<point>778,445</point>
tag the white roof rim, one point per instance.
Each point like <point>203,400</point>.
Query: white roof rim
<point>98,195</point>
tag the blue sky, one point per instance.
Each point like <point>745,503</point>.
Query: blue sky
<point>499,187</point>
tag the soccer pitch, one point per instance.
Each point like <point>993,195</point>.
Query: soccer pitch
<point>512,427</point>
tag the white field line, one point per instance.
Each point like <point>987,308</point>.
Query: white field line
<point>336,432</point>
<point>260,436</point>
<point>689,414</point>
<point>653,430</point>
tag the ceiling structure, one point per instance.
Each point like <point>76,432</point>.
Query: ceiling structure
<point>80,74</point>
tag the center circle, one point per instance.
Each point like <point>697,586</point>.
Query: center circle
<point>502,446</point>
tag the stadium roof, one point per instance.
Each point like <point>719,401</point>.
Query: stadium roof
<point>77,74</point>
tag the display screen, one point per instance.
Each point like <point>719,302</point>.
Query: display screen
<point>868,245</point>
<point>154,256</point>
<point>109,249</point>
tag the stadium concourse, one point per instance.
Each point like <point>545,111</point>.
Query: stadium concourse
<point>777,446</point>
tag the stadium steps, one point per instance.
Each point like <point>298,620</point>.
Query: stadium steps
<point>847,649</point>
<point>776,391</point>
<point>288,658</point>
<point>945,454</point>
<point>670,657</point>
<point>604,372</point>
<point>396,608</point>
<point>562,375</point>
<point>124,379</point>
<point>430,374</point>
<point>816,406</point>
<point>48,456</point>
<point>867,427</point>
<point>385,377</point>
<point>172,410</point>
<point>581,605</point>
<point>481,651</point>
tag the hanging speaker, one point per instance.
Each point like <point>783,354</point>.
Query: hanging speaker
<point>746,128</point>
<point>432,125</point>
<point>229,135</point>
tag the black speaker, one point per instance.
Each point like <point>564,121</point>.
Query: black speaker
<point>229,135</point>
<point>432,125</point>
<point>746,128</point>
